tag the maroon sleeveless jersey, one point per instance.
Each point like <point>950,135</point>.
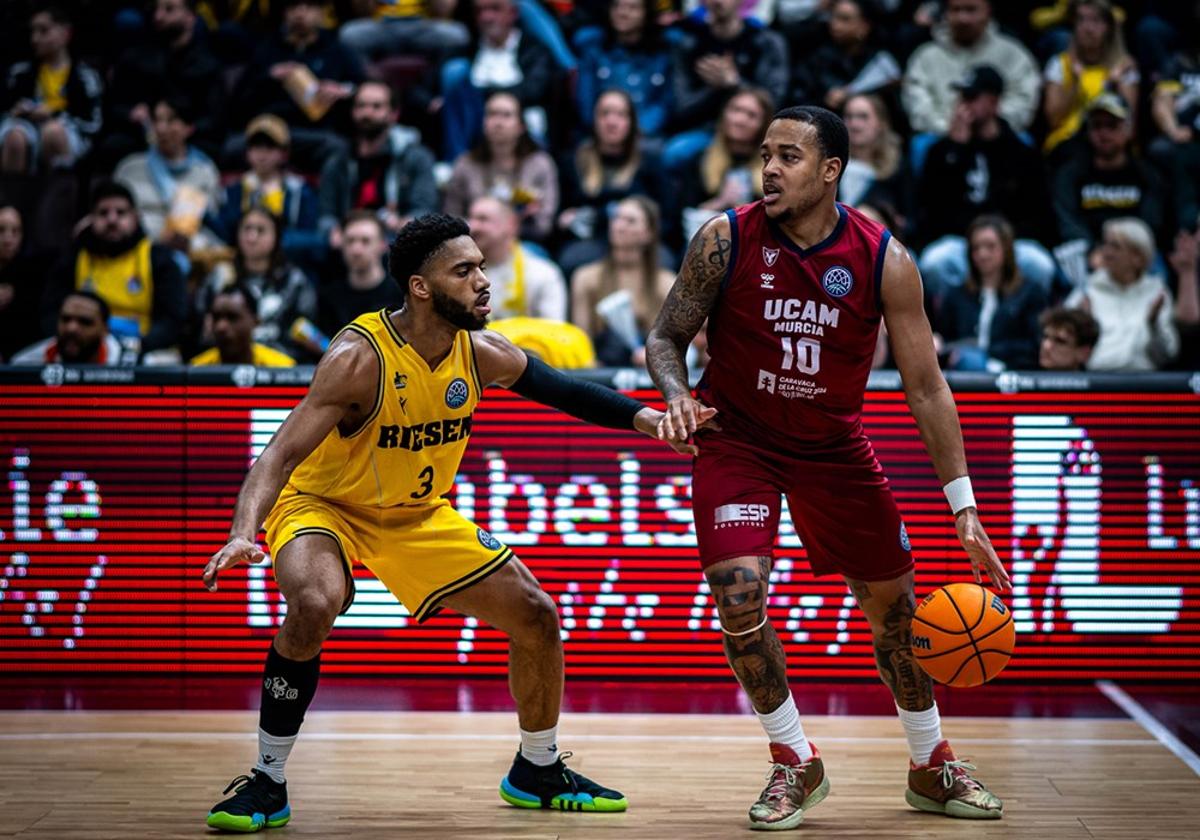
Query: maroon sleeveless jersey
<point>793,332</point>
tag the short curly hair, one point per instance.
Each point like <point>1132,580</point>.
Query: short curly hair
<point>418,241</point>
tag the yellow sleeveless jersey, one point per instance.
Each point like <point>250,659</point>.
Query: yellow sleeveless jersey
<point>408,450</point>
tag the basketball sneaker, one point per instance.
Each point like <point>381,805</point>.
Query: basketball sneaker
<point>793,787</point>
<point>529,785</point>
<point>945,786</point>
<point>258,802</point>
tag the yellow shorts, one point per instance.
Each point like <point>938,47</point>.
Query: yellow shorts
<point>421,554</point>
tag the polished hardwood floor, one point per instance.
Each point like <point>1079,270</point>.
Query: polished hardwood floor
<point>102,775</point>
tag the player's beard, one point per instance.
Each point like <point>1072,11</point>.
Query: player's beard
<point>460,316</point>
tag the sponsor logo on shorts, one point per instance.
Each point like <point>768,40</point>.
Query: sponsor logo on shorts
<point>904,543</point>
<point>733,516</point>
<point>837,281</point>
<point>487,540</point>
<point>457,393</point>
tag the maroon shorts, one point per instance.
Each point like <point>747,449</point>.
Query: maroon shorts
<point>842,507</point>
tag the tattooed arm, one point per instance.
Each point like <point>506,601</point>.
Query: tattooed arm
<point>687,305</point>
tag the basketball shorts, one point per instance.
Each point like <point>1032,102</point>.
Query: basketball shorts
<point>842,507</point>
<point>421,554</point>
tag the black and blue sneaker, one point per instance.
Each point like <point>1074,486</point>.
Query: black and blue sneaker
<point>528,785</point>
<point>258,802</point>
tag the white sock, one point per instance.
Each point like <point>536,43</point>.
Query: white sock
<point>923,731</point>
<point>273,752</point>
<point>540,748</point>
<point>783,727</point>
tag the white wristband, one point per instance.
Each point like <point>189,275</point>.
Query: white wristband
<point>959,494</point>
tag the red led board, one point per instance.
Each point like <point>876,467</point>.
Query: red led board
<point>118,493</point>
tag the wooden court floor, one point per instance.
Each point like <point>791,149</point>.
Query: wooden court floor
<point>68,775</point>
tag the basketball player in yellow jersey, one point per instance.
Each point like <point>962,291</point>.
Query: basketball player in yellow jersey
<point>359,471</point>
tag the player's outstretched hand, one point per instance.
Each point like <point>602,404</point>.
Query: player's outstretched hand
<point>683,417</point>
<point>979,549</point>
<point>676,435</point>
<point>237,550</point>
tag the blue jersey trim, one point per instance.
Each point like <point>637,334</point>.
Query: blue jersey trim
<point>880,258</point>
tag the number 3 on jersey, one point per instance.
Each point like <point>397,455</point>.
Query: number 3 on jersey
<point>426,477</point>
<point>805,355</point>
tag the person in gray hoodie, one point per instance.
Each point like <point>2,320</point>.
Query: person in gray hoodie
<point>968,37</point>
<point>386,169</point>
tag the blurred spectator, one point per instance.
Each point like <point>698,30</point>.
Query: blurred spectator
<point>81,336</point>
<point>174,61</point>
<point>233,315</point>
<point>713,59</point>
<point>1183,260</point>
<point>506,59</point>
<point>138,279</point>
<point>627,54</point>
<point>269,186</point>
<point>616,299</point>
<point>993,316</point>
<point>21,279</point>
<point>52,104</point>
<point>1176,110</point>
<point>1132,306</point>
<point>522,282</point>
<point>729,172</point>
<point>508,165</point>
<point>968,37</point>
<point>608,166</point>
<point>850,62</point>
<point>556,343</point>
<point>1068,337</point>
<point>1095,61</point>
<point>1108,181</point>
<point>386,170</point>
<point>283,294</point>
<point>174,184</point>
<point>363,285</point>
<point>397,27</point>
<point>875,172</point>
<point>982,166</point>
<point>301,74</point>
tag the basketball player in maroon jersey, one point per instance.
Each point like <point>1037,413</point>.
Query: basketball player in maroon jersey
<point>794,287</point>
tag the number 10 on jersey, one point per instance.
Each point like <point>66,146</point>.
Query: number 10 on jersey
<point>804,355</point>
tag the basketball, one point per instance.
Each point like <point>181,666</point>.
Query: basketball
<point>963,635</point>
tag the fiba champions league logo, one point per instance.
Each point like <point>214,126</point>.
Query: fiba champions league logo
<point>457,393</point>
<point>837,281</point>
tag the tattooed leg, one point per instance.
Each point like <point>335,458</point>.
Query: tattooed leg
<point>889,606</point>
<point>739,588</point>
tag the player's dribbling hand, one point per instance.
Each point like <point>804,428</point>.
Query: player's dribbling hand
<point>237,550</point>
<point>979,549</point>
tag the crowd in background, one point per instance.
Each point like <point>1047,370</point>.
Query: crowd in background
<point>216,181</point>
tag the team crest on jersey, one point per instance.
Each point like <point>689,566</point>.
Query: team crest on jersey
<point>400,381</point>
<point>770,255</point>
<point>904,543</point>
<point>487,540</point>
<point>837,281</point>
<point>457,393</point>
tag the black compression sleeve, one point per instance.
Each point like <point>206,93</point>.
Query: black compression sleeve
<point>586,400</point>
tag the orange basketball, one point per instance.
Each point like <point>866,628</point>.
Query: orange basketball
<point>963,635</point>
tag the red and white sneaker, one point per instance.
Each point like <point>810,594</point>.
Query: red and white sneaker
<point>945,786</point>
<point>793,787</point>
